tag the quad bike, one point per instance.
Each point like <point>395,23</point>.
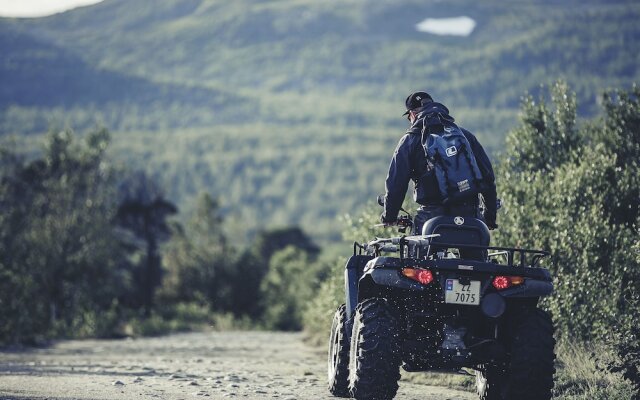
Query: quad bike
<point>429,309</point>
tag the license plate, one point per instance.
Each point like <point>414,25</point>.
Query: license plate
<point>457,293</point>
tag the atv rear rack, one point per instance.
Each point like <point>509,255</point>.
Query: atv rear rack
<point>398,244</point>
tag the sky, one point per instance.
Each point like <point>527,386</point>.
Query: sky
<point>39,8</point>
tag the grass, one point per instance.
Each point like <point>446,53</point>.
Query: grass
<point>185,317</point>
<point>580,374</point>
<point>451,381</point>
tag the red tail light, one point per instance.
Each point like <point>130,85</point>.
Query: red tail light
<point>503,282</point>
<point>423,276</point>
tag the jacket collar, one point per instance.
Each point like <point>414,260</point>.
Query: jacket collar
<point>428,109</point>
<point>434,107</point>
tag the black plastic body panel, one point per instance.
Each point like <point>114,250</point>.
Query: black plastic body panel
<point>352,273</point>
<point>530,288</point>
<point>391,277</point>
<point>384,271</point>
<point>455,264</point>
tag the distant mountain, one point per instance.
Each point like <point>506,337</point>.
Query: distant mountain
<point>41,74</point>
<point>258,76</point>
<point>354,48</point>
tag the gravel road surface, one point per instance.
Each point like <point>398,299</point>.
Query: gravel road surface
<point>242,365</point>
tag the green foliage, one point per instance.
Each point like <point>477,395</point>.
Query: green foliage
<point>319,313</point>
<point>184,316</point>
<point>270,280</point>
<point>547,138</point>
<point>625,341</point>
<point>288,287</point>
<point>142,218</point>
<point>269,242</point>
<point>574,191</point>
<point>199,264</point>
<point>61,263</point>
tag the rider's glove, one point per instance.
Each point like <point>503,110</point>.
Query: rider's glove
<point>386,221</point>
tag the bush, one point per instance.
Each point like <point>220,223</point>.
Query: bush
<point>625,342</point>
<point>318,315</point>
<point>289,286</point>
<point>574,191</point>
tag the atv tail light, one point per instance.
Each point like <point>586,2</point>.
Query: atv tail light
<point>503,282</point>
<point>423,276</point>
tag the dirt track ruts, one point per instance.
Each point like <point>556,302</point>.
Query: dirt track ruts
<point>247,365</point>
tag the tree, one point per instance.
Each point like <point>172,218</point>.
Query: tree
<point>60,260</point>
<point>144,211</point>
<point>271,241</point>
<point>288,287</point>
<point>202,267</point>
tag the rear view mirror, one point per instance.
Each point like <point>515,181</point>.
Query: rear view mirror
<point>381,200</point>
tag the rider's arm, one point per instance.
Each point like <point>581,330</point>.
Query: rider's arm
<point>489,192</point>
<point>397,180</point>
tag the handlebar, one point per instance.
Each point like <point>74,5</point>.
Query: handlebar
<point>403,222</point>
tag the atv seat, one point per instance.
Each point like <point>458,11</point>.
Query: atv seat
<point>458,230</point>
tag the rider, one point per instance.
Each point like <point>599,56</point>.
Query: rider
<point>409,162</point>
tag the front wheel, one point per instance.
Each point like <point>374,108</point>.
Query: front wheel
<point>374,360</point>
<point>529,373</point>
<point>338,360</point>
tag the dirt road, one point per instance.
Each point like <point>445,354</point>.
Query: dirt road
<point>247,365</point>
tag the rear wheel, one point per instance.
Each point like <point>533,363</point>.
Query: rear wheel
<point>338,362</point>
<point>529,375</point>
<point>374,361</point>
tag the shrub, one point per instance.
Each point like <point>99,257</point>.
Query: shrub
<point>574,191</point>
<point>319,313</point>
<point>288,287</point>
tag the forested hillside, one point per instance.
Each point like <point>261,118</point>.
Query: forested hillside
<point>288,111</point>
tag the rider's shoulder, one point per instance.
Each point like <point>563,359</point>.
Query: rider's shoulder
<point>416,128</point>
<point>470,136</point>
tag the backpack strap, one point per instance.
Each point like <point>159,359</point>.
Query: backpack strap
<point>433,124</point>
<point>468,153</point>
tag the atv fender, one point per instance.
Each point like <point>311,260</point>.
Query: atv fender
<point>381,274</point>
<point>391,277</point>
<point>352,273</point>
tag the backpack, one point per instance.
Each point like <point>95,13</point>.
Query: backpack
<point>455,166</point>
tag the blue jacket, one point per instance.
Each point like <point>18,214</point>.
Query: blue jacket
<point>409,162</point>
